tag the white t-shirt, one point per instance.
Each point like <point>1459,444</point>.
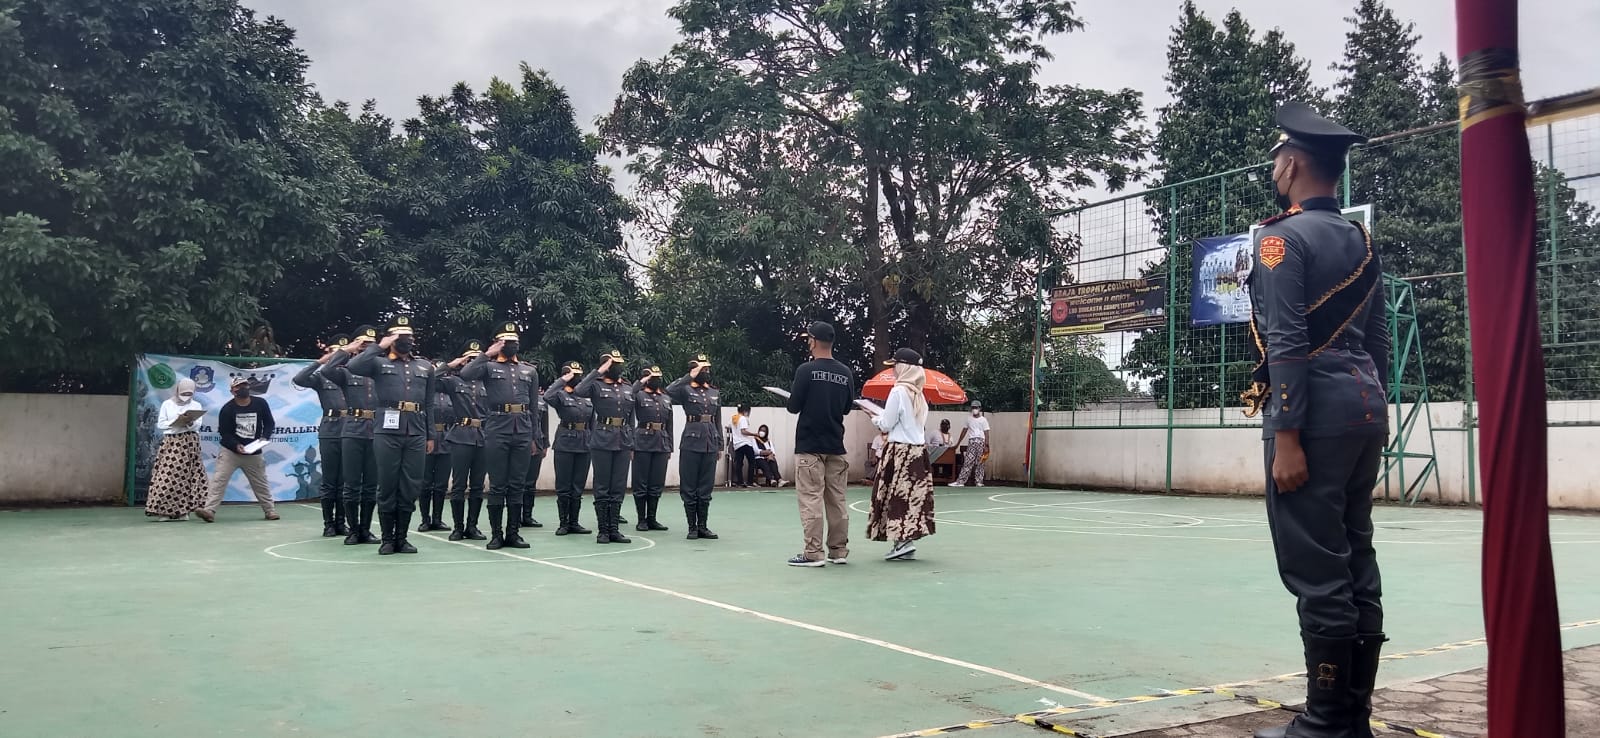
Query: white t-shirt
<point>978,427</point>
<point>741,423</point>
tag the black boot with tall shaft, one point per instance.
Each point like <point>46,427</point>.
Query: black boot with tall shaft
<point>473,507</point>
<point>513,537</point>
<point>352,512</point>
<point>457,511</point>
<point>497,538</point>
<point>1329,704</point>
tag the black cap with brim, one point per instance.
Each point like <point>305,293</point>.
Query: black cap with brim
<point>507,331</point>
<point>821,331</point>
<point>401,326</point>
<point>339,339</point>
<point>904,356</point>
<point>1304,129</point>
<point>368,332</point>
<point>472,348</point>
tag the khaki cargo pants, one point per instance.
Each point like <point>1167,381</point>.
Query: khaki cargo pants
<point>819,481</point>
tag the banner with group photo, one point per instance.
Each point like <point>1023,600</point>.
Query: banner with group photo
<point>1109,306</point>
<point>294,470</point>
<point>1221,291</point>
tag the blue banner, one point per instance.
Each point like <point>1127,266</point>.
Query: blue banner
<point>294,469</point>
<point>1221,272</point>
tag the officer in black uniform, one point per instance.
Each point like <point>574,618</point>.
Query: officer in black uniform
<point>610,442</point>
<point>574,416</point>
<point>329,430</point>
<point>701,444</point>
<point>541,448</point>
<point>360,495</point>
<point>1320,330</point>
<point>402,430</point>
<point>652,446</point>
<point>436,473</point>
<point>465,439</point>
<point>508,431</point>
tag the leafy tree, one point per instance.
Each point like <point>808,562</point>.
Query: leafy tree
<point>1226,86</point>
<point>907,119</point>
<point>158,177</point>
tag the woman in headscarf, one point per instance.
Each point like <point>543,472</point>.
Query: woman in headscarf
<point>178,480</point>
<point>902,492</point>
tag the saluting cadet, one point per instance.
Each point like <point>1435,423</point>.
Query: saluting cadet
<point>436,473</point>
<point>610,442</point>
<point>465,439</point>
<point>701,443</point>
<point>541,448</point>
<point>331,396</point>
<point>652,446</point>
<point>573,417</point>
<point>1320,331</point>
<point>508,431</point>
<point>403,429</point>
<point>360,495</point>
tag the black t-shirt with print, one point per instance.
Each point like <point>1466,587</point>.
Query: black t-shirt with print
<point>823,393</point>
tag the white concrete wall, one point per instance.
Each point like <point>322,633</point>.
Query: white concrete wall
<point>71,448</point>
<point>63,448</point>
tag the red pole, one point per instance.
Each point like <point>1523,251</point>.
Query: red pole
<point>1498,217</point>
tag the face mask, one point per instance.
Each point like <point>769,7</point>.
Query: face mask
<point>510,348</point>
<point>573,382</point>
<point>185,396</point>
<point>405,344</point>
<point>241,393</point>
<point>704,377</point>
<point>653,383</point>
<point>976,413</point>
<point>615,372</point>
<point>1279,198</point>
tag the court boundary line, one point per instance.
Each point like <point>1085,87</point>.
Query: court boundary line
<point>802,625</point>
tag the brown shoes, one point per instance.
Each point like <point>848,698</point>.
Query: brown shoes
<point>206,515</point>
<point>272,516</point>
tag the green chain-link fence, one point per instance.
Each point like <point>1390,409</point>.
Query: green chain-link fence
<point>1180,376</point>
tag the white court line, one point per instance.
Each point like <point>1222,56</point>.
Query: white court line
<point>795,623</point>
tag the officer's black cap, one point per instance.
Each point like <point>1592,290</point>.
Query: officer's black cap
<point>339,339</point>
<point>367,331</point>
<point>507,330</point>
<point>1304,129</point>
<point>472,348</point>
<point>400,326</point>
<point>821,331</point>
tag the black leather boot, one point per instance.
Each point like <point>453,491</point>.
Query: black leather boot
<point>641,510</point>
<point>438,513</point>
<point>366,523</point>
<point>402,523</point>
<point>513,538</point>
<point>577,510</point>
<point>386,527</point>
<point>618,509</point>
<point>340,527</point>
<point>497,539</point>
<point>1329,707</point>
<point>457,510</point>
<point>602,520</point>
<point>473,508</point>
<point>427,522</point>
<point>651,503</point>
<point>565,528</point>
<point>691,510</point>
<point>615,532</point>
<point>352,512</point>
<point>328,528</point>
<point>528,521</point>
<point>1363,678</point>
<point>705,507</point>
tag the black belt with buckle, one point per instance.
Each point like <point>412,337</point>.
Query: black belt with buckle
<point>614,422</point>
<point>330,414</point>
<point>472,423</point>
<point>513,408</point>
<point>653,426</point>
<point>702,418</point>
<point>363,414</point>
<point>575,426</point>
<point>408,407</point>
<point>439,427</point>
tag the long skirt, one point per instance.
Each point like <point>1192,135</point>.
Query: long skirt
<point>178,481</point>
<point>902,495</point>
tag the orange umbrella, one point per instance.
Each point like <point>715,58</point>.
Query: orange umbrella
<point>940,389</point>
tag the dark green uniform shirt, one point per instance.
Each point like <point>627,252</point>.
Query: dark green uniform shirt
<point>572,411</point>
<point>702,407</point>
<point>404,388</point>
<point>510,386</point>
<point>652,412</point>
<point>329,394</point>
<point>359,398</point>
<point>613,412</point>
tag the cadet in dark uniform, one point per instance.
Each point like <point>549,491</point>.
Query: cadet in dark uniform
<point>436,473</point>
<point>574,415</point>
<point>610,442</point>
<point>360,492</point>
<point>508,431</point>
<point>331,396</point>
<point>541,447</point>
<point>652,446</point>
<point>1320,328</point>
<point>701,444</point>
<point>465,439</point>
<point>403,429</point>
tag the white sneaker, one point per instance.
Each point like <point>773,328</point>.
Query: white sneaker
<point>801,560</point>
<point>980,484</point>
<point>957,484</point>
<point>900,551</point>
<point>840,562</point>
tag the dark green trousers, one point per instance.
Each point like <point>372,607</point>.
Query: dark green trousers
<point>401,461</point>
<point>649,473</point>
<point>360,470</point>
<point>466,471</point>
<point>610,474</point>
<point>697,474</point>
<point>572,470</point>
<point>506,459</point>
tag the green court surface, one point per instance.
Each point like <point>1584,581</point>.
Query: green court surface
<point>1023,601</point>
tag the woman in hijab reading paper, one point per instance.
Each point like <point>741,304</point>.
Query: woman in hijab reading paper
<point>902,491</point>
<point>178,479</point>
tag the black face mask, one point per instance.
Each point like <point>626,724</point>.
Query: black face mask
<point>704,377</point>
<point>510,348</point>
<point>573,382</point>
<point>243,393</point>
<point>615,372</point>
<point>405,344</point>
<point>653,383</point>
<point>1279,198</point>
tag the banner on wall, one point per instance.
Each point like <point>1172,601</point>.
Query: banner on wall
<point>1221,292</point>
<point>294,468</point>
<point>1108,306</point>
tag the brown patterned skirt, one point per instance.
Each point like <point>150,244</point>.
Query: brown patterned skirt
<point>178,480</point>
<point>902,495</point>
